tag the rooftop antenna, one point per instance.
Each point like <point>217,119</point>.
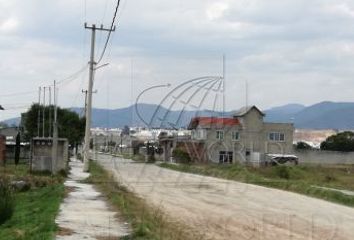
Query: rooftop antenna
<point>131,94</point>
<point>246,93</point>
<point>224,84</point>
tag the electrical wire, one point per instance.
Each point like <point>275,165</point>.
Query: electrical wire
<point>17,108</point>
<point>103,18</point>
<point>72,76</point>
<point>62,81</point>
<point>109,33</point>
<point>18,93</point>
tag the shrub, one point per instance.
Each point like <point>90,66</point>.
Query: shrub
<point>303,146</point>
<point>151,159</point>
<point>181,156</point>
<point>6,202</point>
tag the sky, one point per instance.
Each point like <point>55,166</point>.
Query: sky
<point>288,51</point>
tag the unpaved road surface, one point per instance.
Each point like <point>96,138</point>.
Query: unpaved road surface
<point>222,209</point>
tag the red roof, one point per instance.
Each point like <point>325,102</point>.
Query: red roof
<point>213,122</point>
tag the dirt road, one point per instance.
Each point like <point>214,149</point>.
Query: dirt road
<point>222,209</point>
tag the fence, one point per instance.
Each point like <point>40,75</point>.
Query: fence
<point>325,157</point>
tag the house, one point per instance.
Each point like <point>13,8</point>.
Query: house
<point>244,137</point>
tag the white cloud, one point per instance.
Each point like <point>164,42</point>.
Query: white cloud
<point>216,10</point>
<point>341,9</point>
<point>289,45</point>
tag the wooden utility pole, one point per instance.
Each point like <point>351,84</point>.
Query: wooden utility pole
<point>92,69</point>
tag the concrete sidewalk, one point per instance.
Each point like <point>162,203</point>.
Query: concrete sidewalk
<point>84,214</point>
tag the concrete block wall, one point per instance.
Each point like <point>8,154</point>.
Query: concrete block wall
<point>324,157</point>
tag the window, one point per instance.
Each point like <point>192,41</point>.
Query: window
<point>220,135</point>
<point>235,136</point>
<point>225,157</point>
<point>271,136</point>
<point>276,137</point>
<point>199,134</point>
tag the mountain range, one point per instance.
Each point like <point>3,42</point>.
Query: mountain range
<point>324,115</point>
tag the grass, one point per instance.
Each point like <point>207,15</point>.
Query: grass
<point>148,223</point>
<point>299,179</point>
<point>35,209</point>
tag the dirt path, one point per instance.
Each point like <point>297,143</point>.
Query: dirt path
<point>84,213</point>
<point>223,209</point>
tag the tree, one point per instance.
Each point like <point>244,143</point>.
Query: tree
<point>343,142</point>
<point>70,125</point>
<point>302,146</point>
<point>17,148</point>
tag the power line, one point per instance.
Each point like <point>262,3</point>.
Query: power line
<point>18,93</point>
<point>103,18</point>
<point>109,33</point>
<point>64,80</point>
<point>72,76</point>
<point>17,108</point>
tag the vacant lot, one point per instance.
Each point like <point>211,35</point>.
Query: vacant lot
<point>35,209</point>
<point>223,209</point>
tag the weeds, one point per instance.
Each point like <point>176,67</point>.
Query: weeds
<point>6,202</point>
<point>34,210</point>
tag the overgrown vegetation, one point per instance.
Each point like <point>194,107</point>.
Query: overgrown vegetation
<point>181,156</point>
<point>35,208</point>
<point>6,201</point>
<point>149,223</point>
<point>300,179</point>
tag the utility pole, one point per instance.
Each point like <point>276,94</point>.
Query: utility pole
<point>92,69</point>
<point>43,123</point>
<point>85,91</point>
<point>55,132</point>
<point>39,112</point>
<point>50,113</point>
